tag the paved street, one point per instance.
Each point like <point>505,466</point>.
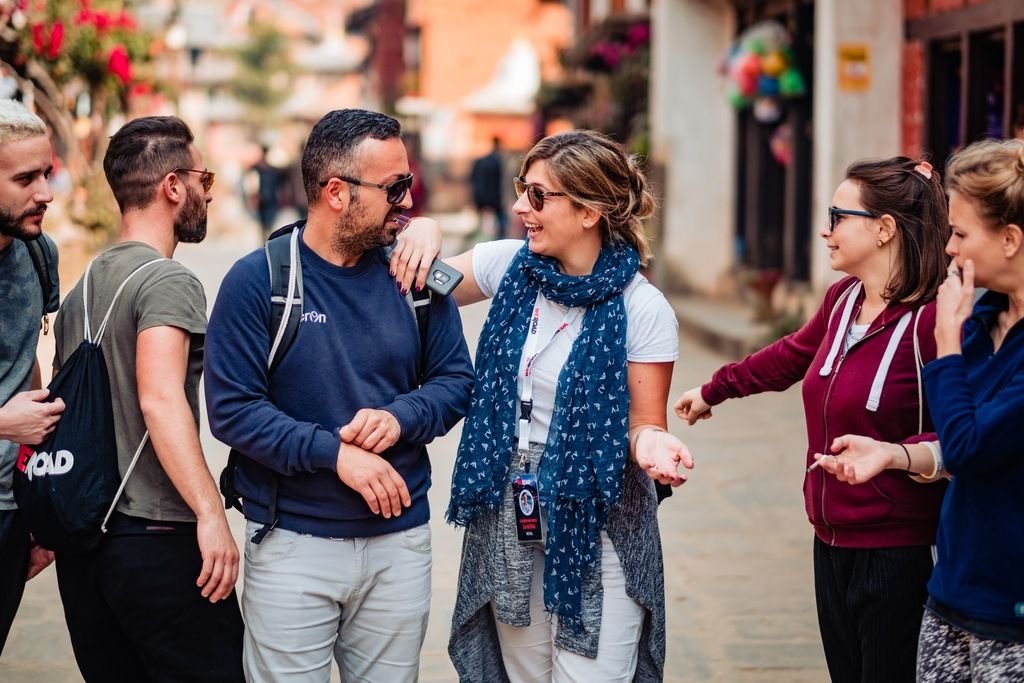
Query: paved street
<point>737,542</point>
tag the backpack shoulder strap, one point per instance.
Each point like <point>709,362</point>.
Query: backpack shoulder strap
<point>44,260</point>
<point>282,252</point>
<point>419,302</point>
<point>285,268</point>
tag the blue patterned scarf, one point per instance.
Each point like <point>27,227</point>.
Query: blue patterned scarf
<point>588,442</point>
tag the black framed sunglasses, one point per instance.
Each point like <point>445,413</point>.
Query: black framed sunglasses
<point>835,215</point>
<point>534,194</point>
<point>396,190</point>
<point>205,177</point>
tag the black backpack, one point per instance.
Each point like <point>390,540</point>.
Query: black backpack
<point>285,267</point>
<point>67,486</point>
<point>44,260</point>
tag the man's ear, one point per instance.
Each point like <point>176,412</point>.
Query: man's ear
<point>886,228</point>
<point>1013,240</point>
<point>336,195</point>
<point>172,188</point>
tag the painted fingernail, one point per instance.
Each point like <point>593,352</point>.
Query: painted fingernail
<point>418,288</point>
<point>404,291</point>
<point>393,274</point>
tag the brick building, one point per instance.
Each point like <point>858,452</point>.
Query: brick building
<point>963,73</point>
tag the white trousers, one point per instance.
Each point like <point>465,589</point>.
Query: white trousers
<point>530,654</point>
<point>364,601</point>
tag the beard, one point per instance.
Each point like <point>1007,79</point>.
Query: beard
<point>15,226</point>
<point>190,223</point>
<point>356,232</point>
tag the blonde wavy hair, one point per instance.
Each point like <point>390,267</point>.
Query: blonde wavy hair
<point>596,172</point>
<point>991,174</point>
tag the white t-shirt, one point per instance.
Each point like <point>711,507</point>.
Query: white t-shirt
<point>652,332</point>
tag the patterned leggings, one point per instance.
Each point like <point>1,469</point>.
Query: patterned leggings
<point>945,654</point>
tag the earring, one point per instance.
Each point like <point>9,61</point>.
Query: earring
<point>878,243</point>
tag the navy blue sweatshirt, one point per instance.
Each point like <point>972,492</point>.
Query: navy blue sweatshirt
<point>976,401</point>
<point>357,347</point>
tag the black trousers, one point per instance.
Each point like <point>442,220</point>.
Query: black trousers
<point>870,604</point>
<point>13,568</point>
<point>134,611</point>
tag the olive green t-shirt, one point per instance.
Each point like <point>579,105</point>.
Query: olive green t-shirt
<point>164,293</point>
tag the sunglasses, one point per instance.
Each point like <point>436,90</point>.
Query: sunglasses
<point>533,193</point>
<point>396,190</point>
<point>205,177</point>
<point>835,215</point>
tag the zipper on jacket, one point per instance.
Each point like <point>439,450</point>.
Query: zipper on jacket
<point>825,448</point>
<point>824,417</point>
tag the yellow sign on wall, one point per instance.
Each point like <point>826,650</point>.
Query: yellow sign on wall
<point>854,66</point>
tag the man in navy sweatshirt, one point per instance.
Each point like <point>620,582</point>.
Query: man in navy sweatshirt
<point>340,426</point>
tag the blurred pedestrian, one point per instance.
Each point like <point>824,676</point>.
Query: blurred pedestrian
<point>860,360</point>
<point>155,600</point>
<point>26,161</point>
<point>485,179</point>
<point>973,628</point>
<point>562,574</point>
<point>266,199</point>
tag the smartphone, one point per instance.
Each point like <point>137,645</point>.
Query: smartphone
<point>441,279</point>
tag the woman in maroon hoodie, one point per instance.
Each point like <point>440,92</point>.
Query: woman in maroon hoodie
<point>860,359</point>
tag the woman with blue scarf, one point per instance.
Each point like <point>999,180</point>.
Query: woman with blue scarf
<point>562,575</point>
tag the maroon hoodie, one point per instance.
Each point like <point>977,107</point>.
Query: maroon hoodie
<point>873,389</point>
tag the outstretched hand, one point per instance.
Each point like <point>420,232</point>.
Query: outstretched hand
<point>418,245</point>
<point>856,459</point>
<point>659,454</point>
<point>691,406</point>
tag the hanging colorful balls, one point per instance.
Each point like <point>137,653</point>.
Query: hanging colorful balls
<point>791,83</point>
<point>766,85</point>
<point>773,64</point>
<point>759,65</point>
<point>737,99</point>
<point>750,65</point>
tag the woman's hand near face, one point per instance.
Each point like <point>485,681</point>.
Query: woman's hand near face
<point>659,454</point>
<point>952,308</point>
<point>691,406</point>
<point>417,247</point>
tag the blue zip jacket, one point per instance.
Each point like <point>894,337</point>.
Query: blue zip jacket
<point>976,401</point>
<point>357,347</point>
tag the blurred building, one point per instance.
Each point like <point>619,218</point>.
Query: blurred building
<point>459,73</point>
<point>746,190</point>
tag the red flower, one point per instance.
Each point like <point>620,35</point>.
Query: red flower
<point>126,20</point>
<point>56,38</point>
<point>119,64</point>
<point>102,21</point>
<point>37,37</point>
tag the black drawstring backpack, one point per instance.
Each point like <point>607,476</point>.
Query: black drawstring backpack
<point>67,486</point>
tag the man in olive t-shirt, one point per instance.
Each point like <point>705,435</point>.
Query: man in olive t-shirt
<point>155,600</point>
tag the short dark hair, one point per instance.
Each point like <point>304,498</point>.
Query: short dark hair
<point>330,148</point>
<point>914,197</point>
<point>141,153</point>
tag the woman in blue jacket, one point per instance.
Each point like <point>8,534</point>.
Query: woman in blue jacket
<point>973,628</point>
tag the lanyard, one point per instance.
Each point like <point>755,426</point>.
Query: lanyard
<point>531,352</point>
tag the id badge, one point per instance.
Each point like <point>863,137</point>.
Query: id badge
<point>527,507</point>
